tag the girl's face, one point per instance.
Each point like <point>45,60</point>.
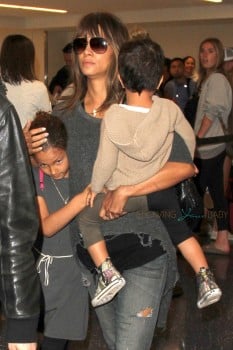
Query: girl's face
<point>208,56</point>
<point>189,65</point>
<point>53,162</point>
<point>93,64</point>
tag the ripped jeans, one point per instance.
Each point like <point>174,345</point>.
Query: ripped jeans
<point>128,322</point>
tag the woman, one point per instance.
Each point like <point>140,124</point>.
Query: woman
<point>189,68</point>
<point>24,90</point>
<point>214,106</point>
<point>149,269</point>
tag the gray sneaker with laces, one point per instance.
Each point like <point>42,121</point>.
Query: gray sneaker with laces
<point>110,282</point>
<point>208,291</point>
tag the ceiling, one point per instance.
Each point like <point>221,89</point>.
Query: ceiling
<point>109,5</point>
<point>133,10</point>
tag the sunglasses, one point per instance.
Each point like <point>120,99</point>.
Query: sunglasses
<point>97,44</point>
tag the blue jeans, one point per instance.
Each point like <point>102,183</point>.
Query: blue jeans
<point>128,322</point>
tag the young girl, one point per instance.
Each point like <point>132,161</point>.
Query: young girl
<point>65,312</point>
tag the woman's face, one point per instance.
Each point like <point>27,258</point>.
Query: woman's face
<point>208,56</point>
<point>189,66</point>
<point>93,64</point>
<point>53,162</point>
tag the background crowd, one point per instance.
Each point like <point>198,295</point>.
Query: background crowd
<point>62,158</point>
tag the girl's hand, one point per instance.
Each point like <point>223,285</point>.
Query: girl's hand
<point>34,138</point>
<point>84,198</point>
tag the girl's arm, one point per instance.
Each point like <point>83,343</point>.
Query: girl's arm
<point>51,223</point>
<point>22,346</point>
<point>171,174</point>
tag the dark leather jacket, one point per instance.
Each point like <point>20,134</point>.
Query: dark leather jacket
<point>19,284</point>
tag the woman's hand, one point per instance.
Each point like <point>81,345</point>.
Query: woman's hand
<point>27,346</point>
<point>114,203</point>
<point>34,138</point>
<point>172,173</point>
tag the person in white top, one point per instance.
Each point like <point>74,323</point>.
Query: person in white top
<point>24,90</point>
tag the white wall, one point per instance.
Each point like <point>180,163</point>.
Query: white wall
<point>180,39</point>
<point>56,40</point>
<point>184,38</point>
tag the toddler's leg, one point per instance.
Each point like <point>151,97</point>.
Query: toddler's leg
<point>167,204</point>
<point>193,253</point>
<point>136,204</point>
<point>89,222</point>
<point>208,290</point>
<point>110,280</point>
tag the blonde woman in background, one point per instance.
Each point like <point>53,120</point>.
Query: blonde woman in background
<point>215,103</point>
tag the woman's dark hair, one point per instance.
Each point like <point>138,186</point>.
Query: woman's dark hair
<point>54,126</point>
<point>17,59</point>
<point>116,33</point>
<point>140,64</point>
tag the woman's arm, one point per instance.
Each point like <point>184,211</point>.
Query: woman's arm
<point>34,138</point>
<point>205,125</point>
<point>171,174</point>
<point>179,167</point>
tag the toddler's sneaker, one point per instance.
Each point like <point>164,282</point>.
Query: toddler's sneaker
<point>208,291</point>
<point>110,283</point>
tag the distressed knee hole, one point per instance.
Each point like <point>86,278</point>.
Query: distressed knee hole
<point>146,312</point>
